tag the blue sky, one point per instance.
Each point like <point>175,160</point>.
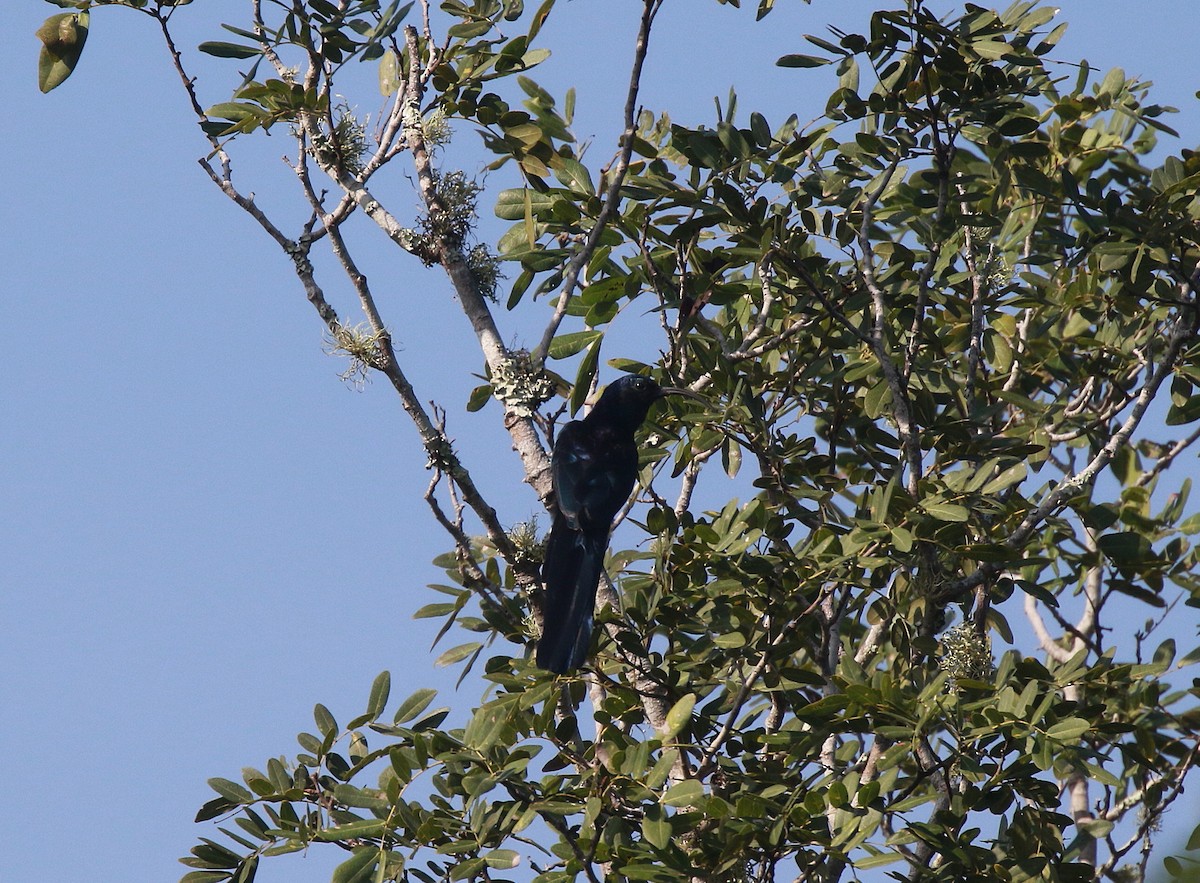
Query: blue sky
<point>205,531</point>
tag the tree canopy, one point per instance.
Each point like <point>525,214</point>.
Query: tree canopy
<point>945,337</point>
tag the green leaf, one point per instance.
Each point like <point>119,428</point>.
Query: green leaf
<point>431,720</point>
<point>210,855</point>
<point>326,723</point>
<point>62,36</point>
<point>877,399</point>
<point>1095,828</point>
<point>1114,82</point>
<point>566,345</point>
<point>1187,412</point>
<point>731,457</point>
<point>1006,479</point>
<point>991,49</point>
<point>486,726</point>
<point>389,73</point>
<point>348,795</point>
<point>585,375</point>
<point>353,830</point>
<point>218,806</point>
<point>514,204</point>
<point>469,29</point>
<point>837,795</point>
<point>414,705</point>
<point>534,57</point>
<point>502,859</point>
<point>644,872</point>
<point>479,397</point>
<point>875,861</point>
<point>358,868</point>
<point>656,827</point>
<point>678,717</point>
<point>457,654</point>
<point>380,691</point>
<point>1069,730</point>
<point>231,790</point>
<point>662,768</point>
<point>910,802</point>
<point>229,50</point>
<point>945,511</point>
<point>247,872</point>
<point>438,610</point>
<point>684,793</point>
<point>802,61</point>
<point>1194,840</point>
<point>574,176</point>
<point>1124,546</point>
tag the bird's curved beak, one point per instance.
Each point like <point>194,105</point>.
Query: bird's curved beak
<point>665,391</point>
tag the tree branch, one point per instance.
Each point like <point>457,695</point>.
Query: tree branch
<point>910,439</point>
<point>612,195</point>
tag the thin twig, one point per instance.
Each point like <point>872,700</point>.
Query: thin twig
<point>474,576</point>
<point>1165,460</point>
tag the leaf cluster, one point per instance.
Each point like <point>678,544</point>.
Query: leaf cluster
<point>926,328</point>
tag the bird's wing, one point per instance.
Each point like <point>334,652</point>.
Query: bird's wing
<point>594,473</point>
<point>571,466</point>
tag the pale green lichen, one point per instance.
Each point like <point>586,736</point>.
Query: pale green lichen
<point>435,128</point>
<point>529,547</point>
<point>520,385</point>
<point>458,196</point>
<point>362,345</point>
<point>346,143</point>
<point>485,270</point>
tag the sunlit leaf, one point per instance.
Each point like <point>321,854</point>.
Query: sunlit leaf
<point>414,705</point>
<point>567,345</point>
<point>63,36</point>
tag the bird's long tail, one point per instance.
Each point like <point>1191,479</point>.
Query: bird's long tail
<point>570,573</point>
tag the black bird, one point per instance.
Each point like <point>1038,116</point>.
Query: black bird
<point>594,466</point>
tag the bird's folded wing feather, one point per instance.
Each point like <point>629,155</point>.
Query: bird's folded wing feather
<point>571,465</point>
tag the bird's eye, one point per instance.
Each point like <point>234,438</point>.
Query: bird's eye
<point>639,382</point>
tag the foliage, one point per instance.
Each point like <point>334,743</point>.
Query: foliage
<point>949,334</point>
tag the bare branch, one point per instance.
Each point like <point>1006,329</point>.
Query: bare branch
<point>296,250</point>
<point>1045,640</point>
<point>612,195</point>
<point>1152,812</point>
<point>189,84</point>
<point>521,428</point>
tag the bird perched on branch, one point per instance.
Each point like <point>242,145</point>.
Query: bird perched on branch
<point>594,466</point>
